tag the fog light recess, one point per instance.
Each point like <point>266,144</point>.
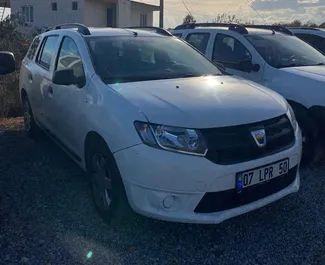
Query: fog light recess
<point>169,202</point>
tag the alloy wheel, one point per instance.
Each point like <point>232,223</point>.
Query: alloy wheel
<point>101,182</point>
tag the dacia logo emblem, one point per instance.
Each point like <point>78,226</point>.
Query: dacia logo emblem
<point>259,137</point>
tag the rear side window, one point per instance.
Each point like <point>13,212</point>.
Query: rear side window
<point>314,40</point>
<point>47,51</point>
<point>199,40</point>
<point>33,48</point>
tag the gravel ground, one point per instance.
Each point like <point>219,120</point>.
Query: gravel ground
<point>47,217</point>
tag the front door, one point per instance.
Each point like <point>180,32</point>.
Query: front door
<point>233,54</point>
<point>68,101</point>
<point>111,16</point>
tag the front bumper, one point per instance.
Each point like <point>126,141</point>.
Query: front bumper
<point>170,186</point>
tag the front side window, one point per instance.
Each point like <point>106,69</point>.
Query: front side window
<point>69,58</point>
<point>229,51</point>
<point>282,51</point>
<point>199,40</point>
<point>47,52</point>
<point>131,59</point>
<point>317,42</point>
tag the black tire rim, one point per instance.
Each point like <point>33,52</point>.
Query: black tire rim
<point>101,181</point>
<point>27,117</point>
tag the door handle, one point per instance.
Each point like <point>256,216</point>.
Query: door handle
<point>50,91</point>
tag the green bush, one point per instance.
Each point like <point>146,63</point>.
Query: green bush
<point>14,40</point>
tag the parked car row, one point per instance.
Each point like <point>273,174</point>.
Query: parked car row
<point>273,57</point>
<point>161,130</point>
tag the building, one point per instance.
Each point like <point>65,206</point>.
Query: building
<point>93,13</point>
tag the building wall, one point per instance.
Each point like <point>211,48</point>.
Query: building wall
<point>137,10</point>
<point>44,16</point>
<point>95,13</point>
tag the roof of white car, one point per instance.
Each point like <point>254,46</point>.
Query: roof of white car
<point>119,32</point>
<point>250,30</point>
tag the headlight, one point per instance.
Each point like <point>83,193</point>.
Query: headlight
<point>292,117</point>
<point>175,139</point>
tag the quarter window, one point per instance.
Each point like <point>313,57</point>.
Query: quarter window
<point>69,58</point>
<point>33,47</point>
<point>47,52</point>
<point>199,40</point>
<point>229,51</point>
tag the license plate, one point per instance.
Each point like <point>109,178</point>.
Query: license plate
<point>259,175</point>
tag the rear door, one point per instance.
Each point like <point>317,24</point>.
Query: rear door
<point>42,89</point>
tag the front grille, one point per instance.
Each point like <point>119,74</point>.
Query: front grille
<point>229,199</point>
<point>235,144</point>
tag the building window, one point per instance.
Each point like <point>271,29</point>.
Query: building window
<point>27,13</point>
<point>74,5</point>
<point>143,20</point>
<point>54,6</point>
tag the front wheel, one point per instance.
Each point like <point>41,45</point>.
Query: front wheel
<point>107,187</point>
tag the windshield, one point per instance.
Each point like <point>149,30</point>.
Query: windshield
<point>130,59</point>
<point>282,51</point>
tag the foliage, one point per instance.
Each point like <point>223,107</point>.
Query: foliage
<point>189,19</point>
<point>14,40</point>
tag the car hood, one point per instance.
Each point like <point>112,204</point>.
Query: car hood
<point>313,72</point>
<point>202,102</point>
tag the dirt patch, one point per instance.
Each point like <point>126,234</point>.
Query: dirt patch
<point>11,124</point>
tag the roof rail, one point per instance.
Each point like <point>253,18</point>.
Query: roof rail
<point>304,28</point>
<point>281,29</point>
<point>81,28</point>
<point>157,30</point>
<point>231,26</point>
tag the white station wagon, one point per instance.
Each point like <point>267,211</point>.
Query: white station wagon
<point>157,126</point>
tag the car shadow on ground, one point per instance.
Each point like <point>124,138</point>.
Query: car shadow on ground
<point>47,215</point>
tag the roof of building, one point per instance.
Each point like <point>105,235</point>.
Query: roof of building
<point>152,7</point>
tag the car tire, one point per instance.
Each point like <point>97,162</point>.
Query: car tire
<point>309,132</point>
<point>32,129</point>
<point>107,187</point>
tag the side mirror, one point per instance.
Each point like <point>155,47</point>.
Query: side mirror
<point>248,66</point>
<point>7,63</point>
<point>66,77</point>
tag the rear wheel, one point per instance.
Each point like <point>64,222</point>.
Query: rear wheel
<point>106,184</point>
<point>31,128</point>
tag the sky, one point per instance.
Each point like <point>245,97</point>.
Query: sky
<point>270,10</point>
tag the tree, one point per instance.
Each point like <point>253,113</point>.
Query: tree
<point>189,19</point>
<point>15,41</point>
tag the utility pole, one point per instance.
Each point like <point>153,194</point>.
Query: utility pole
<point>161,14</point>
